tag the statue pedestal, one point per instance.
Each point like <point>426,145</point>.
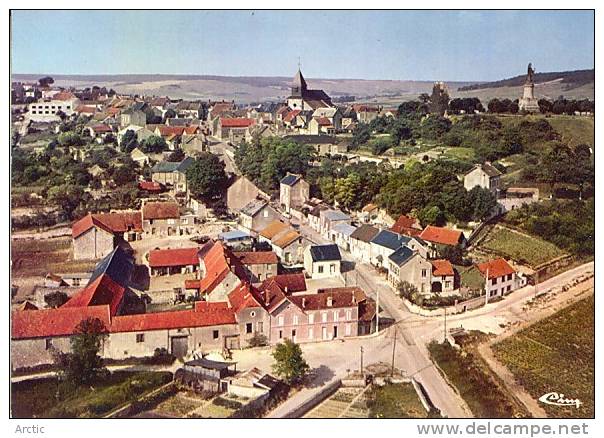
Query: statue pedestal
<point>527,102</point>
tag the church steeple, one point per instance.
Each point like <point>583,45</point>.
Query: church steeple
<point>298,84</point>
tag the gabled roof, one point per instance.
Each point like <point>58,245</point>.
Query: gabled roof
<point>117,265</point>
<point>150,186</point>
<point>487,168</point>
<point>173,257</point>
<point>496,268</point>
<point>101,291</point>
<point>323,253</point>
<point>334,215</point>
<point>340,297</point>
<point>291,116</point>
<point>244,296</point>
<point>401,255</point>
<point>442,268</point>
<point>170,166</point>
<point>406,223</point>
<point>323,121</point>
<point>390,240</point>
<point>290,179</point>
<point>272,229</point>
<point>253,207</point>
<point>283,239</point>
<point>344,228</point>
<point>54,322</point>
<point>110,222</point>
<point>257,257</point>
<point>238,122</point>
<point>443,236</point>
<point>161,210</point>
<point>64,95</point>
<point>365,233</point>
<point>218,261</point>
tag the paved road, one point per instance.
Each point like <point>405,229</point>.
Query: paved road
<point>221,148</point>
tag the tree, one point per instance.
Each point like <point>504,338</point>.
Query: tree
<point>206,177</point>
<point>258,340</point>
<point>582,168</point>
<point>46,81</point>
<point>347,191</point>
<point>83,365</point>
<point>406,289</point>
<point>482,202</point>
<point>432,215</point>
<point>556,165</point>
<point>289,362</point>
<point>129,141</point>
<point>56,299</point>
<point>154,144</point>
<point>177,156</point>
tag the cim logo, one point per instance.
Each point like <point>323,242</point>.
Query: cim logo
<point>556,399</point>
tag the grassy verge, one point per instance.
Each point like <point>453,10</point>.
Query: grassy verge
<point>38,398</point>
<point>475,383</point>
<point>395,400</point>
<point>556,354</point>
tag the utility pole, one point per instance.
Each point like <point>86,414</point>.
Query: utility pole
<point>361,359</point>
<point>445,340</point>
<point>377,313</point>
<point>536,282</point>
<point>486,288</point>
<point>393,348</point>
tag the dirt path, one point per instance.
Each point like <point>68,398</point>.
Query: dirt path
<point>546,306</point>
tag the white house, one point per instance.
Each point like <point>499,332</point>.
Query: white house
<point>322,261</point>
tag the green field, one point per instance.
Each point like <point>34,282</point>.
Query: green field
<point>574,130</point>
<point>38,398</point>
<point>520,247</point>
<point>556,354</point>
<point>459,153</point>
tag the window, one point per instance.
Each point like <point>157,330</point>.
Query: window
<point>447,284</point>
<point>424,273</point>
<point>215,334</point>
<point>248,327</point>
<point>260,327</point>
<point>265,213</point>
<point>295,319</point>
<point>348,315</point>
<point>311,318</point>
<point>280,320</point>
<point>170,221</point>
<point>310,333</point>
<point>280,334</point>
<point>509,288</point>
<point>252,314</point>
<point>48,344</point>
<point>324,317</point>
<point>75,282</point>
<point>320,269</point>
<point>348,329</point>
<point>509,277</point>
<point>140,337</point>
<point>293,334</point>
<point>336,314</point>
<point>184,221</point>
<point>494,280</point>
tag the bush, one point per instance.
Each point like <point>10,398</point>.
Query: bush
<point>258,340</point>
<point>225,403</point>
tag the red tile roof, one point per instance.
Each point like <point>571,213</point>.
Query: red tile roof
<point>173,257</point>
<point>272,294</point>
<point>64,95</point>
<point>192,284</point>
<point>204,315</point>
<point>291,282</point>
<point>237,122</point>
<point>442,268</point>
<point>496,268</point>
<point>102,291</point>
<point>443,236</point>
<point>218,262</point>
<point>150,186</point>
<point>244,296</point>
<point>85,109</point>
<point>291,116</point>
<point>54,322</point>
<point>405,224</point>
<point>160,210</point>
<point>257,257</point>
<point>110,222</point>
<point>101,128</point>
<point>340,297</point>
<point>166,131</point>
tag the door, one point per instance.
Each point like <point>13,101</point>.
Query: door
<point>180,346</point>
<point>335,331</point>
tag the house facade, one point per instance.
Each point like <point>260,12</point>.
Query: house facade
<point>483,175</point>
<point>293,192</point>
<point>322,261</point>
<point>161,218</point>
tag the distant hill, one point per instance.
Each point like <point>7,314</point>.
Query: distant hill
<point>571,79</point>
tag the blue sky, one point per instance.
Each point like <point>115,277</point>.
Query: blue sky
<point>421,45</point>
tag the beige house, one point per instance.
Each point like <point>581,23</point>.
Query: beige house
<point>257,215</point>
<point>293,192</point>
<point>483,175</point>
<point>407,265</point>
<point>161,219</point>
<point>172,174</point>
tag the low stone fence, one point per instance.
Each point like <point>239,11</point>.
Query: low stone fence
<point>461,307</point>
<point>317,398</point>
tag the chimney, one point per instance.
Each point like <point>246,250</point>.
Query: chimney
<point>329,301</point>
<point>304,303</point>
<point>354,298</point>
<point>286,290</point>
<point>266,298</point>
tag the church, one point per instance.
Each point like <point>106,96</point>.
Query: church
<point>303,99</point>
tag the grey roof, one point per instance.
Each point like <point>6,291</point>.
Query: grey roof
<point>390,240</point>
<point>323,253</point>
<point>316,211</point>
<point>290,179</point>
<point>489,169</point>
<point>234,234</point>
<point>169,166</point>
<point>253,207</point>
<point>365,233</point>
<point>344,228</point>
<point>401,255</point>
<point>208,364</point>
<point>117,265</point>
<point>335,215</point>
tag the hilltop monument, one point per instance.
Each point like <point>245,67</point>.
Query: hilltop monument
<point>528,102</point>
